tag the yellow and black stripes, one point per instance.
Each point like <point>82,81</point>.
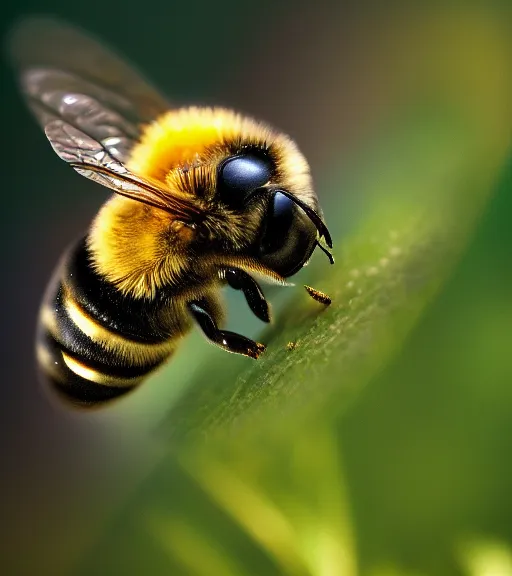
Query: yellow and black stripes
<point>67,383</point>
<point>135,319</point>
<point>94,344</point>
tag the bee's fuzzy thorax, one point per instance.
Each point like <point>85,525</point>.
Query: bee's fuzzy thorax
<point>189,136</point>
<point>135,247</point>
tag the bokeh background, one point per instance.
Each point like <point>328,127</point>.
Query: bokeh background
<point>426,445</point>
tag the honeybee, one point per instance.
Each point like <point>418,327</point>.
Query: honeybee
<point>204,197</point>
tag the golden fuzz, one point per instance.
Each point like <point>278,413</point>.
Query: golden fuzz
<point>134,247</point>
<point>201,137</point>
<point>182,137</point>
<point>140,249</point>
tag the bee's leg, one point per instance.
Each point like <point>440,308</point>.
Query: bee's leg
<point>229,341</point>
<point>240,280</point>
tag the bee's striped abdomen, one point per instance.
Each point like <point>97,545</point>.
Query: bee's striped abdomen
<point>95,344</point>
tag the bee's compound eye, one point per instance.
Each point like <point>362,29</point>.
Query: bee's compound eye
<point>280,219</point>
<point>241,175</point>
<point>289,236</point>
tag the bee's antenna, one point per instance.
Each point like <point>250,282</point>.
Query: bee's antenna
<point>326,251</point>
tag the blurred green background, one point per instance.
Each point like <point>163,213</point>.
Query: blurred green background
<point>381,445</point>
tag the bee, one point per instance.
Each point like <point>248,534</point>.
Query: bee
<point>203,198</point>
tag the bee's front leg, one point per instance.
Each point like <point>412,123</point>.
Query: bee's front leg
<point>240,280</point>
<point>229,341</point>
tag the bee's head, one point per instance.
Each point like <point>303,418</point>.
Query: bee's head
<point>252,186</point>
<point>288,228</point>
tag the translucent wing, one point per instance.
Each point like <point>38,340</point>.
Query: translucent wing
<point>56,59</point>
<point>91,105</point>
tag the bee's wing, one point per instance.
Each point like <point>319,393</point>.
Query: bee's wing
<point>54,58</point>
<point>90,103</point>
